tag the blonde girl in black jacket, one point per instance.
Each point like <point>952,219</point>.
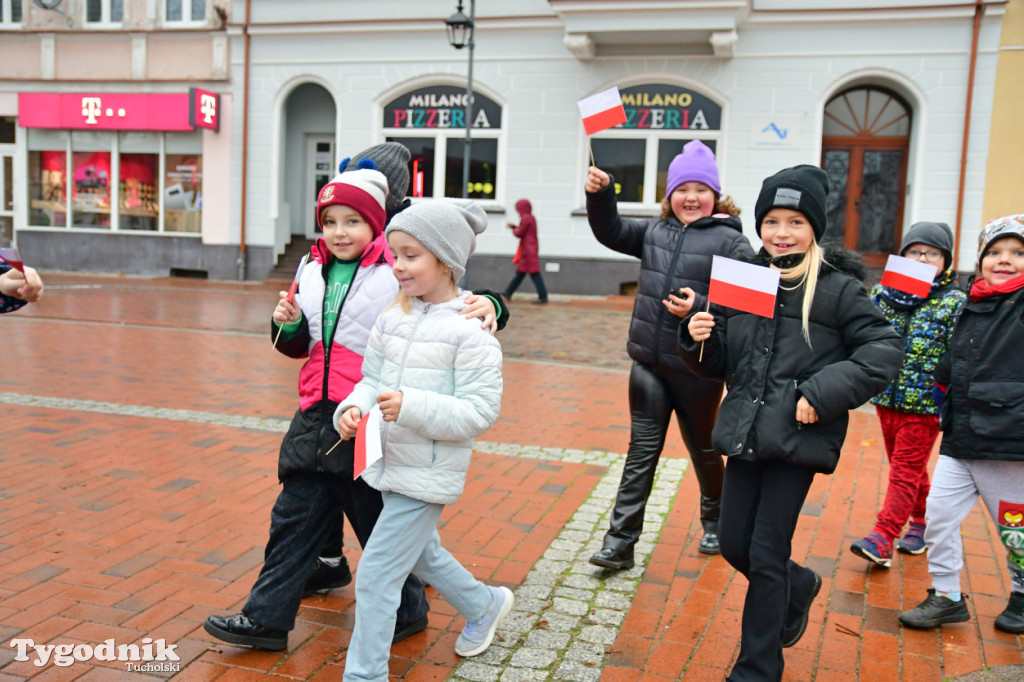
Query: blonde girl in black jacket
<point>791,381</point>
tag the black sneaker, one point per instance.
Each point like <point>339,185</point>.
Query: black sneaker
<point>935,611</point>
<point>240,629</point>
<point>1012,618</point>
<point>325,578</point>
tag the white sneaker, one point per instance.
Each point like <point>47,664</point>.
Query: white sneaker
<point>477,635</point>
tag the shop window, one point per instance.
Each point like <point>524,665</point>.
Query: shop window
<point>138,168</point>
<point>660,119</point>
<point>185,11</point>
<point>10,12</point>
<point>100,12</point>
<point>183,183</point>
<point>431,122</point>
<point>47,177</point>
<point>158,179</point>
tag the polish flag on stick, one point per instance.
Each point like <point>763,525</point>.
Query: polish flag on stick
<point>909,275</point>
<point>602,111</point>
<point>743,286</point>
<point>368,448</point>
<point>11,256</point>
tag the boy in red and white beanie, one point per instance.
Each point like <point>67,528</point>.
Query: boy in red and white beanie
<point>364,190</point>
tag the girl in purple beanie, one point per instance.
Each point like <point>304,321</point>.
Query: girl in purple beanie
<point>675,251</point>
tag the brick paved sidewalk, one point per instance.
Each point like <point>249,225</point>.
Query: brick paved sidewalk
<point>141,421</point>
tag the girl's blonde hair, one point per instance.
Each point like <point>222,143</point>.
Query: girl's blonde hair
<point>805,274</point>
<point>723,204</point>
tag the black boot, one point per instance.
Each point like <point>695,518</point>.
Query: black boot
<point>240,629</point>
<point>1012,618</point>
<point>709,542</point>
<point>615,559</point>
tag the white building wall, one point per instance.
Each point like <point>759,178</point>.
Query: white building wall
<point>782,67</point>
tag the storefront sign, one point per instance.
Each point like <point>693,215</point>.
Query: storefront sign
<point>107,111</point>
<point>204,109</point>
<point>440,106</point>
<point>668,107</point>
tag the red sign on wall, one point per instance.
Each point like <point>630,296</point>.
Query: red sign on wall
<point>204,109</point>
<point>107,111</point>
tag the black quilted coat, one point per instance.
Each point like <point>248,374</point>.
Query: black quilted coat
<point>671,256</point>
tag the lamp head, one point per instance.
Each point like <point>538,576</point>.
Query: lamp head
<point>460,29</point>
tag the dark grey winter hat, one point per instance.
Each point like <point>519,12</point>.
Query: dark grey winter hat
<point>391,159</point>
<point>933,234</point>
<point>800,188</point>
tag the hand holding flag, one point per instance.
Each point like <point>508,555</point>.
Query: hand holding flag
<point>290,297</point>
<point>909,275</point>
<point>743,286</point>
<point>368,447</point>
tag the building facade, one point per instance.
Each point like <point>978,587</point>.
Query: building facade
<point>894,98</point>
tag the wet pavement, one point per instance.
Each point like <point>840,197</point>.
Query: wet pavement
<point>139,437</point>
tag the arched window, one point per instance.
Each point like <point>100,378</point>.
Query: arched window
<point>431,122</point>
<point>864,151</point>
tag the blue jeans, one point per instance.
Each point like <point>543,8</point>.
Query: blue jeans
<point>405,540</point>
<point>538,282</point>
<point>303,513</point>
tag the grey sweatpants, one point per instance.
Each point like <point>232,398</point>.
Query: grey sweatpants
<point>956,485</point>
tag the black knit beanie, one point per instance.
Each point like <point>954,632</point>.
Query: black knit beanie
<point>800,188</point>
<point>933,234</point>
<point>391,159</point>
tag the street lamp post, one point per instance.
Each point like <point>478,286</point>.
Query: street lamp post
<point>460,35</point>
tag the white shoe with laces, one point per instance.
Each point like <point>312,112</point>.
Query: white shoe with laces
<point>477,635</point>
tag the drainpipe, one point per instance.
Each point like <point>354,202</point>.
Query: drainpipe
<point>241,260</point>
<point>978,9</point>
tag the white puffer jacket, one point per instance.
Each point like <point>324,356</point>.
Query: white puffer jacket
<point>449,372</point>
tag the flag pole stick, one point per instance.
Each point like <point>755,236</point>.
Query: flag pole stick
<point>279,328</point>
<point>334,446</point>
<point>701,357</point>
<point>591,148</point>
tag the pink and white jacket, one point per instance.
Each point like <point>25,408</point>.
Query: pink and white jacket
<point>373,288</point>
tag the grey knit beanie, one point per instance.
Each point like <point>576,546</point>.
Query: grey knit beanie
<point>447,227</point>
<point>391,159</point>
<point>937,235</point>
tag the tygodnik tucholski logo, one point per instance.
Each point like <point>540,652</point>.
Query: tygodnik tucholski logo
<point>150,656</point>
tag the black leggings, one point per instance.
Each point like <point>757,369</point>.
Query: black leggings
<point>760,506</point>
<point>654,393</point>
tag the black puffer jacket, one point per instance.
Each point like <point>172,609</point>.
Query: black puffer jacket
<point>768,365</point>
<point>671,256</point>
<point>983,413</point>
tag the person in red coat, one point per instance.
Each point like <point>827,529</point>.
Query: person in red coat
<point>526,259</point>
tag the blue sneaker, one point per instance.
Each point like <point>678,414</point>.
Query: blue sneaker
<point>913,541</point>
<point>477,635</point>
<point>874,548</point>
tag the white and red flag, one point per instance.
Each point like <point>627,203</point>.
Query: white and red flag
<point>11,256</point>
<point>743,286</point>
<point>909,275</point>
<point>602,111</point>
<point>368,448</point>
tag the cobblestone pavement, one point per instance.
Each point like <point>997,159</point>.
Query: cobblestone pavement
<point>141,421</point>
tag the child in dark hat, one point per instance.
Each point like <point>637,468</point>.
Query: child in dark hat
<point>908,413</point>
<point>675,250</point>
<point>794,377</point>
<point>981,384</point>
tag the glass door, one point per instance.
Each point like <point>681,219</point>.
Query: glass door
<point>320,170</point>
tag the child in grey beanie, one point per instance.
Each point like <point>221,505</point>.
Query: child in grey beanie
<point>446,227</point>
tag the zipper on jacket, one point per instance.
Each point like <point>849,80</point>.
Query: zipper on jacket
<point>328,344</point>
<point>398,385</point>
<point>662,312</point>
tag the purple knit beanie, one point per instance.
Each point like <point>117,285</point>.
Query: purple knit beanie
<point>695,163</point>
